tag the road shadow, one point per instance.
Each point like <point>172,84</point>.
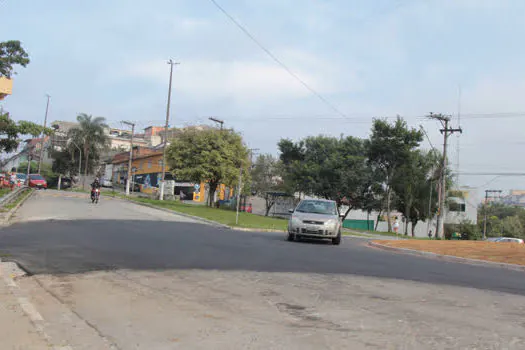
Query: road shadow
<point>72,247</point>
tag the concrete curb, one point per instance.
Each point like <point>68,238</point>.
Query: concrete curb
<point>11,212</point>
<point>198,218</point>
<point>450,258</point>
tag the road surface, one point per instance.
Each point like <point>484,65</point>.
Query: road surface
<point>122,276</point>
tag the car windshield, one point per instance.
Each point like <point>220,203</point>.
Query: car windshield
<point>21,176</point>
<point>317,207</point>
<point>36,177</point>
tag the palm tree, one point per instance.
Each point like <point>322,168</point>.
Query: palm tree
<point>91,136</point>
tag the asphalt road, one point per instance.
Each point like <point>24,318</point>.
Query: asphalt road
<point>68,235</point>
<point>67,242</point>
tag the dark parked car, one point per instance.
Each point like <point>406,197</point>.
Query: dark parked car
<point>65,183</point>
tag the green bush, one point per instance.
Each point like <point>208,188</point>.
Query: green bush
<point>467,230</point>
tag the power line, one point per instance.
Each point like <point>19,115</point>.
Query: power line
<point>277,60</point>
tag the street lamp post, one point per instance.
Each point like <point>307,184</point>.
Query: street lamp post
<point>162,180</point>
<point>130,155</point>
<point>43,136</point>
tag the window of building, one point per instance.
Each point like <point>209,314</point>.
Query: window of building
<point>457,207</point>
<point>160,162</point>
<point>149,164</point>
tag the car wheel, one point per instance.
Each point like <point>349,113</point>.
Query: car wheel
<point>290,237</point>
<point>337,240</point>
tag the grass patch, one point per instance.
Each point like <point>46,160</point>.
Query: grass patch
<point>226,217</point>
<point>388,234</point>
<point>20,198</point>
<point>4,191</point>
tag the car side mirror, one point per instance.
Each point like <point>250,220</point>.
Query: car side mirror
<point>290,211</point>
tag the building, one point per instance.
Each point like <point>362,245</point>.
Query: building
<point>513,198</point>
<point>462,207</point>
<point>146,170</point>
<point>6,87</point>
<point>121,139</point>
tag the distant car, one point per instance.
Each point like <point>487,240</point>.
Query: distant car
<point>509,240</point>
<point>315,218</point>
<point>37,181</point>
<point>65,182</point>
<point>21,178</point>
<point>106,183</point>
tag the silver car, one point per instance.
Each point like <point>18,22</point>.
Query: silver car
<point>315,218</point>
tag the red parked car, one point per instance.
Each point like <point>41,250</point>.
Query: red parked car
<point>37,181</point>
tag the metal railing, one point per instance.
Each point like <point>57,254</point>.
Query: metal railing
<point>13,196</point>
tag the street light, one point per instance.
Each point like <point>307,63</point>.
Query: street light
<point>130,155</point>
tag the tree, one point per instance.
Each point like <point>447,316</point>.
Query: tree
<point>11,131</point>
<point>65,161</point>
<point>328,167</point>
<point>212,156</point>
<point>266,179</point>
<point>415,187</point>
<point>11,54</point>
<point>92,138</point>
<point>388,149</point>
<point>511,227</point>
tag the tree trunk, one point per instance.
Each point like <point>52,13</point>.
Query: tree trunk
<point>348,211</point>
<point>388,211</point>
<point>213,190</point>
<point>86,165</point>
<point>414,223</point>
<point>269,204</point>
<point>407,216</point>
<point>378,216</point>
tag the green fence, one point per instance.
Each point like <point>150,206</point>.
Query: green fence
<point>359,224</point>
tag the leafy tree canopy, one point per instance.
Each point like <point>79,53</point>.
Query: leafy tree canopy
<point>12,53</point>
<point>11,131</point>
<point>213,156</point>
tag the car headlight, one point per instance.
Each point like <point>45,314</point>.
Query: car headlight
<point>332,223</point>
<point>296,221</point>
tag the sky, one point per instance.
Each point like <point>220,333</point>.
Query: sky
<point>360,59</point>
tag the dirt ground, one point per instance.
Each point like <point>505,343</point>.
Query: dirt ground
<point>510,253</point>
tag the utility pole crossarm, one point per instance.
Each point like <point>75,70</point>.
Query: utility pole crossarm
<point>219,121</point>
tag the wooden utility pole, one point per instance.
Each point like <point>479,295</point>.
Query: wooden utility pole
<point>487,196</point>
<point>446,131</point>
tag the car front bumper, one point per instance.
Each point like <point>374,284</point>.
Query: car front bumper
<point>320,233</point>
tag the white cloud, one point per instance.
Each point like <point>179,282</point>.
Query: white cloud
<point>243,80</point>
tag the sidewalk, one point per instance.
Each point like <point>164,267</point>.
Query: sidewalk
<point>16,329</point>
